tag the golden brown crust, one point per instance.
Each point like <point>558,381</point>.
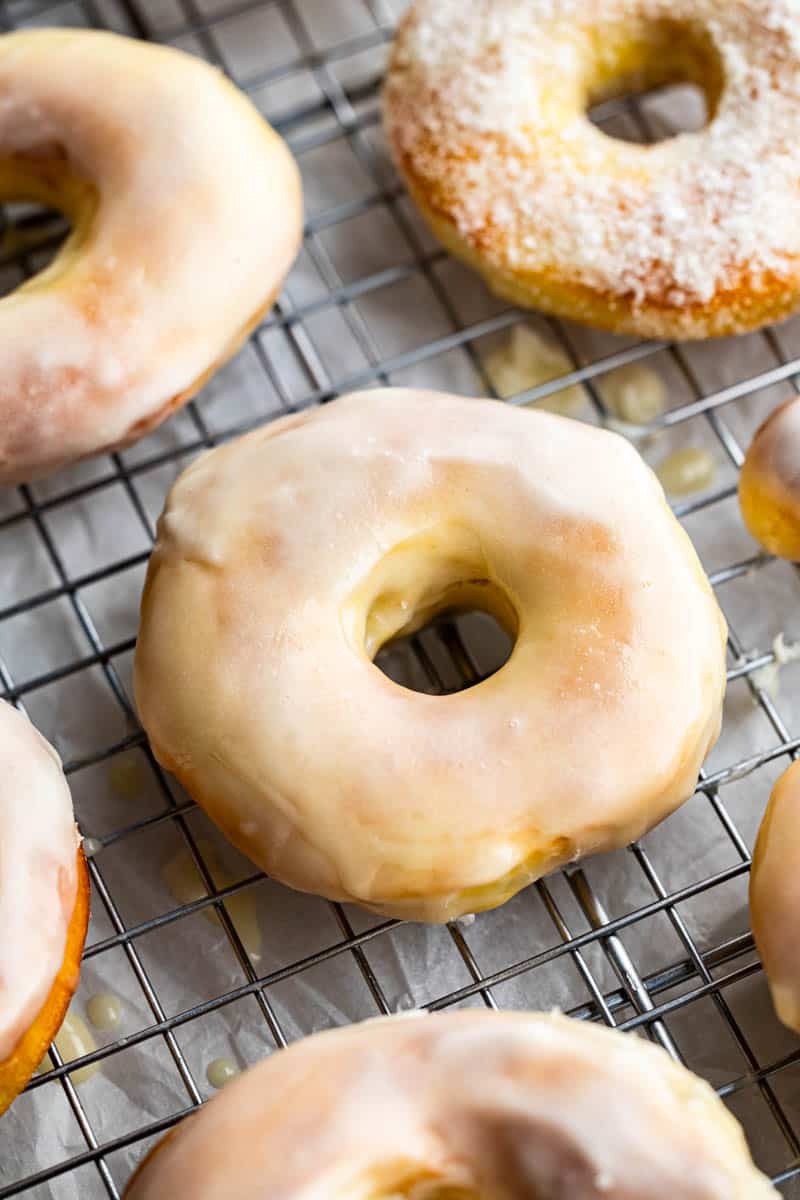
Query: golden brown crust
<point>775,896</point>
<point>769,482</point>
<point>731,311</point>
<point>29,1052</point>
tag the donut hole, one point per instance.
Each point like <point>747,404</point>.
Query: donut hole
<point>434,597</point>
<point>31,236</point>
<point>675,66</point>
<point>669,111</point>
<point>454,651</point>
<point>399,1182</point>
<point>45,214</point>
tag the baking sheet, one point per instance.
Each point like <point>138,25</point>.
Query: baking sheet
<point>312,982</point>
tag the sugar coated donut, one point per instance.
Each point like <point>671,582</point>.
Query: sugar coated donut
<point>775,896</point>
<point>485,110</point>
<point>467,1105</point>
<point>285,560</point>
<point>186,214</point>
<point>769,482</point>
<point>44,900</point>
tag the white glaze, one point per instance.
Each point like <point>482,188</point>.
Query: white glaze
<point>104,1010</point>
<point>38,873</point>
<point>73,1040</point>
<point>500,1104</point>
<point>526,359</point>
<point>181,876</point>
<point>198,219</point>
<point>336,780</point>
<point>221,1071</point>
<point>768,677</point>
<point>687,470</point>
<point>634,393</point>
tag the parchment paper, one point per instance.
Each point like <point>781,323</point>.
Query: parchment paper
<point>190,961</point>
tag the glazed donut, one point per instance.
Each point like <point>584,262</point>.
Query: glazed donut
<point>769,482</point>
<point>485,111</point>
<point>465,1105</point>
<point>186,214</point>
<point>285,560</point>
<point>44,900</point>
<point>775,896</point>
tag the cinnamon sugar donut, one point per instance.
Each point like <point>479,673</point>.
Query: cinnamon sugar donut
<point>468,1105</point>
<point>44,900</point>
<point>286,559</point>
<point>775,896</point>
<point>485,110</point>
<point>186,214</point>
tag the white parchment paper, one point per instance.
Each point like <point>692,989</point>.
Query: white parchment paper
<point>186,963</point>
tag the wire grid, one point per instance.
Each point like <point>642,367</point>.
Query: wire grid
<point>317,74</point>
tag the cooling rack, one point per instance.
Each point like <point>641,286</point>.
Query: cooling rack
<point>653,940</point>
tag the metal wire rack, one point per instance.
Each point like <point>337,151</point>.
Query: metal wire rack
<point>67,629</point>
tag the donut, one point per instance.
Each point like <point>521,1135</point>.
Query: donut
<point>44,900</point>
<point>465,1105</point>
<point>186,214</point>
<point>286,559</point>
<point>775,896</point>
<point>769,482</point>
<point>485,109</point>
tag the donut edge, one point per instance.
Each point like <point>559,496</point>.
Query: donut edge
<point>769,506</point>
<point>729,313</point>
<point>17,1070</point>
